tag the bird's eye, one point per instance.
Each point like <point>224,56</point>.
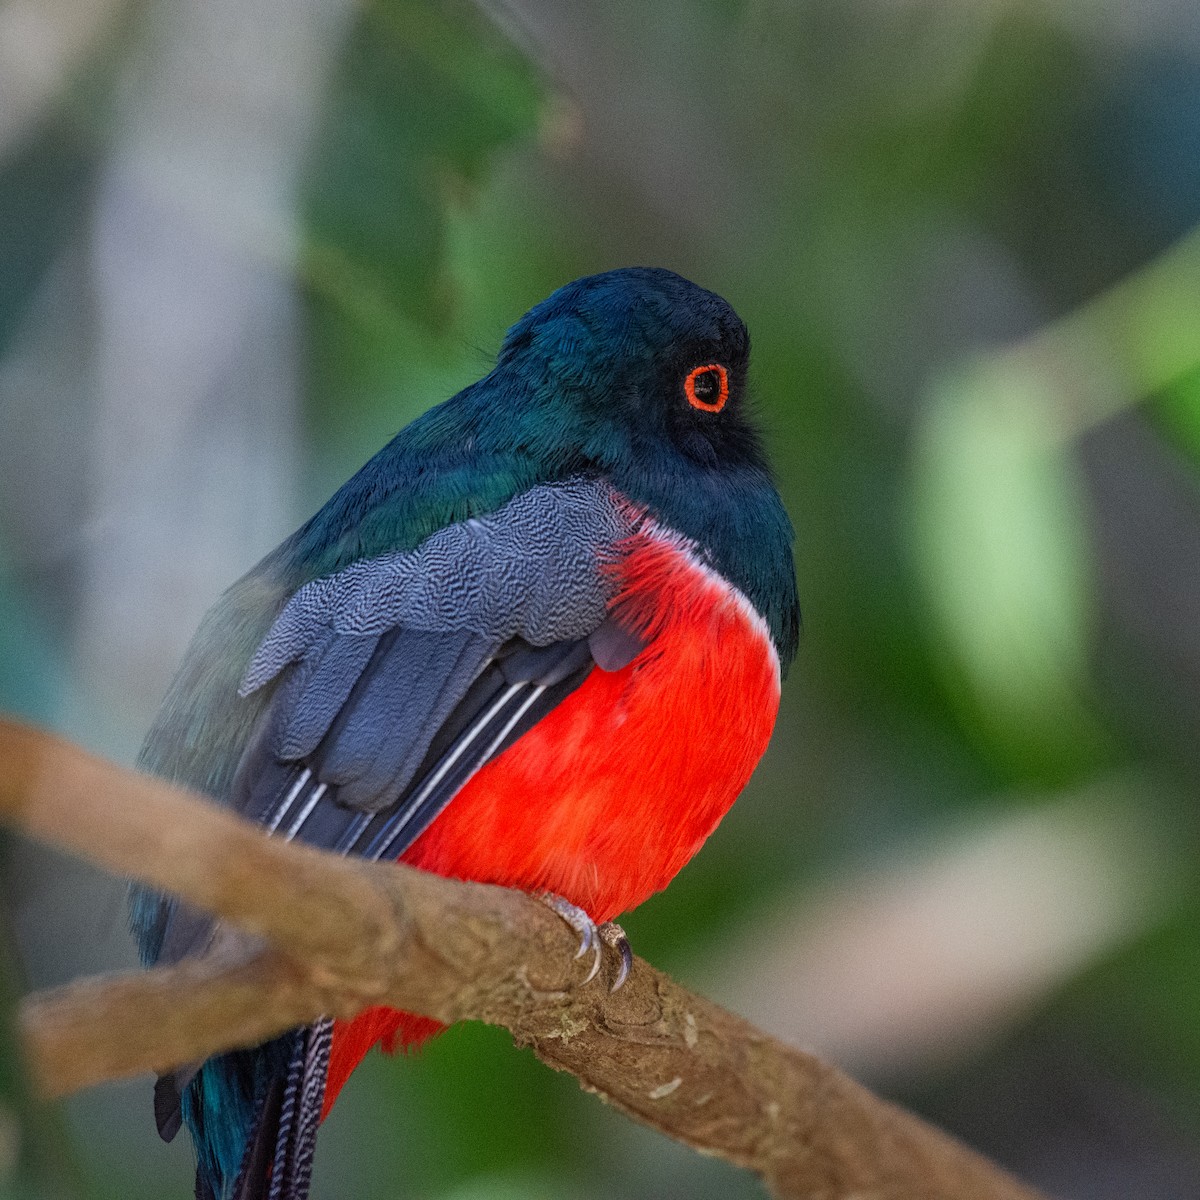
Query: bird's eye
<point>707,387</point>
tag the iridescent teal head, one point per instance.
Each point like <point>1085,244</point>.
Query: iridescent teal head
<point>645,358</point>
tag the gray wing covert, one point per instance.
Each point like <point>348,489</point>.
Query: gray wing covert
<point>401,675</point>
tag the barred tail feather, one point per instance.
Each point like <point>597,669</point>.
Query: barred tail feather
<point>277,1162</point>
<point>300,1114</point>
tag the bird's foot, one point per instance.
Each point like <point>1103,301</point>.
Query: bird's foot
<point>593,937</point>
<point>613,936</point>
<point>584,926</point>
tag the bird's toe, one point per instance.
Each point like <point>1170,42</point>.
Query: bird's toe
<point>613,936</point>
<point>582,924</point>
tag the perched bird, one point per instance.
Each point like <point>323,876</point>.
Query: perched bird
<point>536,641</point>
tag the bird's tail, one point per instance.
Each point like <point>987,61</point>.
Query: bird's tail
<point>279,1154</point>
<point>253,1115</point>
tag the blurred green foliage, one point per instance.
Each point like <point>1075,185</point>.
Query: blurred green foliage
<point>424,96</point>
<point>992,542</point>
<point>999,536</point>
<point>1178,410</point>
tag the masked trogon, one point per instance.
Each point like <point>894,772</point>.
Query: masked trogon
<point>536,641</point>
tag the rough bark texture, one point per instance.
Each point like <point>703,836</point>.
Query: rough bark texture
<point>323,935</point>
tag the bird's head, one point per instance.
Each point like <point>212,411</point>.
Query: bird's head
<point>638,361</point>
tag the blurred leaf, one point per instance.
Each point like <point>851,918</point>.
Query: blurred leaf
<point>1000,537</point>
<point>1139,338</point>
<point>1152,318</point>
<point>425,92</point>
<point>1177,413</point>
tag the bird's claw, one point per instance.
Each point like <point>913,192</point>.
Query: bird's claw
<point>598,951</point>
<point>579,921</point>
<point>593,937</point>
<point>612,935</point>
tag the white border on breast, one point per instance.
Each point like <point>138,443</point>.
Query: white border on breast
<point>686,546</point>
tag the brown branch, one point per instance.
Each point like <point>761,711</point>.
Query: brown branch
<point>331,936</point>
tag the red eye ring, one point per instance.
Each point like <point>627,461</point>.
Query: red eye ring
<point>689,387</point>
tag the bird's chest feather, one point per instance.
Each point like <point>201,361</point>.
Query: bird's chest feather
<point>610,794</point>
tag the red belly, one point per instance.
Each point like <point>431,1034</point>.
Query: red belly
<point>607,797</point>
